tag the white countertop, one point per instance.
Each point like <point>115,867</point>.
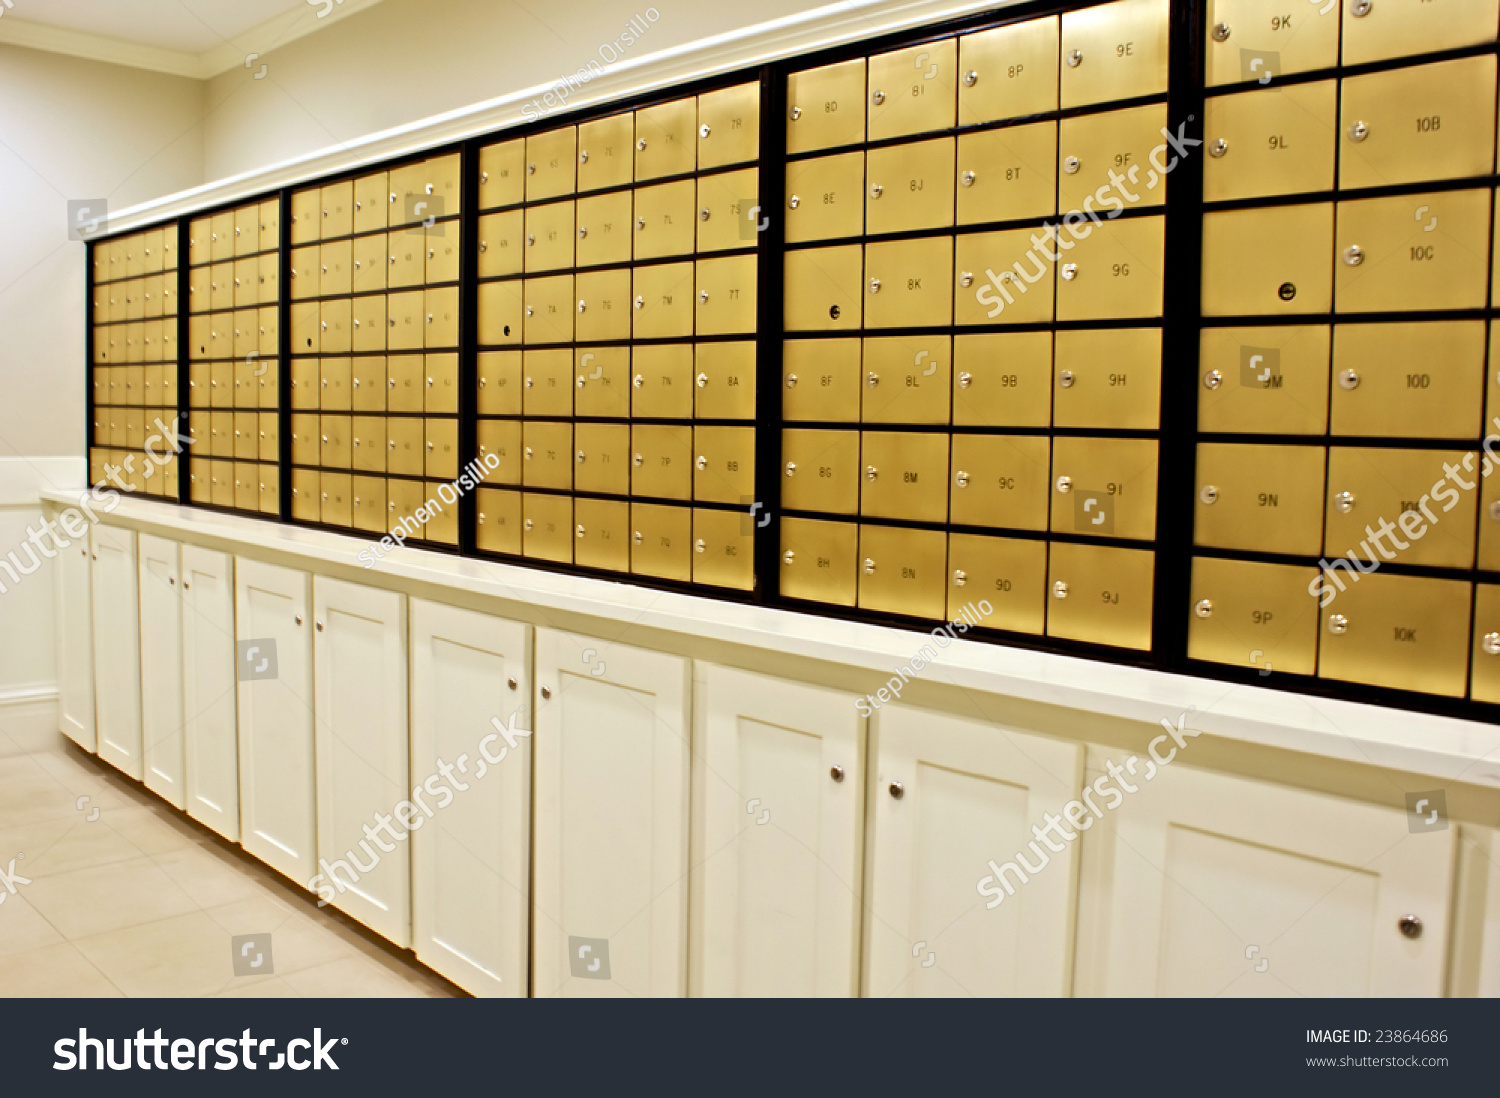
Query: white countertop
<point>1443,747</point>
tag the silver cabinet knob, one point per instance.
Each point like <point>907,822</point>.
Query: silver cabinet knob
<point>836,772</point>
<point>897,790</point>
<point>1410,926</point>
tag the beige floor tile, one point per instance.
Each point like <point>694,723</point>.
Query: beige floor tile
<point>274,988</point>
<point>298,941</point>
<point>63,844</point>
<point>53,972</point>
<point>354,978</point>
<point>210,877</point>
<point>103,787</point>
<point>189,955</point>
<point>23,928</point>
<point>91,901</point>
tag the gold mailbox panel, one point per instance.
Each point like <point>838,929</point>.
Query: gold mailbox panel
<point>664,219</point>
<point>820,471</point>
<point>550,307</point>
<point>603,309</point>
<point>728,210</point>
<point>825,197</point>
<point>402,498</point>
<point>1403,27</point>
<point>404,387</point>
<point>336,451</point>
<point>549,237</point>
<point>1114,51</point>
<point>1007,575</point>
<point>370,262</point>
<point>1489,515</point>
<point>903,473</point>
<point>605,154</point>
<point>726,296</point>
<point>1108,378</point>
<point>1390,260</point>
<point>725,381</point>
<point>369,322</point>
<point>1007,174</point>
<point>499,521</point>
<point>551,161</point>
<point>821,380</point>
<point>662,383</point>
<point>602,385</point>
<point>1260,39</point>
<point>1008,72</point>
<point>1485,671</point>
<point>441,241</point>
<point>547,527</point>
<point>1264,380</point>
<point>601,534</point>
<point>498,311</point>
<point>500,389</point>
<point>903,571</point>
<point>1421,380</point>
<point>1115,271</point>
<point>547,385</point>
<point>729,126</point>
<point>442,448</point>
<point>502,243</point>
<point>661,541</point>
<point>723,549</point>
<point>910,186</point>
<point>405,263</point>
<point>909,283</point>
<point>441,317</point>
<point>913,90</point>
<point>1104,487</point>
<point>1411,125</point>
<point>661,461</point>
<point>1100,595</point>
<point>1252,615</point>
<point>826,107</point>
<point>547,455</point>
<point>370,204</point>
<point>502,438</point>
<point>368,438</point>
<point>1267,499</point>
<point>304,493</point>
<point>369,504</point>
<point>819,560</point>
<point>1091,146</point>
<point>1270,141</point>
<point>336,326</point>
<point>442,383</point>
<point>823,289</point>
<point>1269,262</point>
<point>502,174</point>
<point>1002,379</point>
<point>1408,495</point>
<point>405,453</point>
<point>907,379</point>
<point>724,465</point>
<point>404,321</point>
<point>369,381</point>
<point>306,379</point>
<point>1000,481</point>
<point>601,458</point>
<point>666,141</point>
<point>663,303</point>
<point>1404,632</point>
<point>337,385</point>
<point>605,228</point>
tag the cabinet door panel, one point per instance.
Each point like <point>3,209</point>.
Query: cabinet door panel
<point>75,648</point>
<point>161,668</point>
<point>208,685</point>
<point>117,648</point>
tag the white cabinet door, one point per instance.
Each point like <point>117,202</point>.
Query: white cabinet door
<point>1208,885</point>
<point>117,648</point>
<point>778,797</point>
<point>161,668</point>
<point>471,861</point>
<point>74,645</point>
<point>363,748</point>
<point>609,916</point>
<point>278,823</point>
<point>212,748</point>
<point>970,793</point>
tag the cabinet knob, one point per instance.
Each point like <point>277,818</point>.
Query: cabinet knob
<point>897,790</point>
<point>298,619</point>
<point>186,586</point>
<point>512,683</point>
<point>319,625</point>
<point>836,773</point>
<point>546,692</point>
<point>171,581</point>
<point>1411,926</point>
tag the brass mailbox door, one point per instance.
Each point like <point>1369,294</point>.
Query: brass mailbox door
<point>1104,487</point>
<point>661,541</point>
<point>337,200</point>
<point>406,262</point>
<point>819,560</point>
<point>909,283</point>
<point>336,326</point>
<point>1270,141</point>
<point>904,475</point>
<point>1100,594</point>
<point>1114,51</point>
<point>404,451</point>
<point>269,438</point>
<point>442,447</point>
<point>1260,40</point>
<point>910,186</point>
<point>1008,72</point>
<point>729,126</point>
<point>1091,146</point>
<point>404,321</point>
<point>502,249</point>
<point>551,160</point>
<point>246,340</point>
<point>305,439</point>
<point>1418,513</point>
<point>1403,632</point>
<point>1266,499</point>
<point>369,322</point>
<point>306,317</point>
<point>663,303</point>
<point>1004,277</point>
<point>1489,512</point>
<point>246,436</point>
<point>268,272</point>
<point>547,527</point>
<point>547,455</point>
<point>269,216</point>
<point>500,392</point>
<point>725,381</point>
<point>723,549</point>
<point>822,290</point>
<point>1388,260</point>
<point>601,458</point>
<point>1115,271</point>
<point>498,311</point>
<point>605,229</point>
<point>825,197</point>
<point>498,522</point>
<point>661,461</point>
<point>369,261</point>
<point>603,309</point>
<point>549,237</point>
<point>502,439</point>
<point>605,156</point>
<point>247,281</point>
<point>820,471</point>
<point>549,309</point>
<point>1007,174</point>
<point>1271,262</point>
<point>199,248</point>
<point>1000,481</point>
<point>914,90</point>
<point>547,384</point>
<point>662,382</point>
<point>1421,380</point>
<point>1410,125</point>
<point>601,386</point>
<point>221,385</point>
<point>336,385</point>
<point>1247,614</point>
<point>336,452</point>
<point>1485,668</point>
<point>502,174</point>
<point>907,379</point>
<point>305,492</point>
<point>367,434</point>
<point>1264,380</point>
<point>369,504</point>
<point>726,295</point>
<point>601,534</point>
<point>1002,379</point>
<point>441,241</point>
<point>666,139</point>
<point>335,269</point>
<point>999,583</point>
<point>664,219</point>
<point>246,486</point>
<point>903,571</point>
<point>246,232</point>
<point>220,289</point>
<point>442,524</point>
<point>826,107</point>
<point>221,240</point>
<point>442,383</point>
<point>724,465</point>
<point>404,389</point>
<point>441,317</point>
<point>728,210</point>
<point>821,380</point>
<point>370,203</point>
<point>1404,27</point>
<point>402,498</point>
<point>306,385</point>
<point>369,382</point>
<point>1108,377</point>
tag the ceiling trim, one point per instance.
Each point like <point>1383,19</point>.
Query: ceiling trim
<point>230,54</point>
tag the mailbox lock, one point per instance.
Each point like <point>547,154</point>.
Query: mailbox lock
<point>639,460</point>
<point>961,479</point>
<point>702,380</point>
<point>1359,131</point>
<point>640,302</point>
<point>1348,379</point>
<point>872,379</point>
<point>1360,8</point>
<point>971,78</point>
<point>1069,271</point>
<point>702,462</point>
<point>703,214</point>
<point>531,240</point>
<point>703,130</point>
<point>529,452</point>
<point>1064,484</point>
<point>791,467</point>
<point>788,557</point>
<point>641,145</point>
<point>1354,255</point>
<point>835,772</point>
<point>869,566</point>
<point>795,113</point>
<point>578,530</point>
<point>582,306</point>
<point>1495,511</point>
<point>1410,926</point>
<point>791,381</point>
<point>871,472</point>
<point>1060,589</point>
<point>1221,32</point>
<point>1070,165</point>
<point>1491,644</point>
<point>1287,291</point>
<point>1208,494</point>
<point>583,157</point>
<point>640,223</point>
<point>1338,625</point>
<point>877,97</point>
<point>637,537</point>
<point>529,383</point>
<point>1344,502</point>
<point>966,279</point>
<point>1065,379</point>
<point>700,545</point>
<point>703,297</point>
<point>484,177</point>
<point>1218,148</point>
<point>960,577</point>
<point>1203,608</point>
<point>1075,58</point>
<point>874,285</point>
<point>1213,379</point>
<point>876,190</point>
<point>794,201</point>
<point>527,524</point>
<point>967,179</point>
<point>638,380</point>
<point>965,380</point>
<point>579,457</point>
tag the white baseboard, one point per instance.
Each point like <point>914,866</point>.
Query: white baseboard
<point>28,719</point>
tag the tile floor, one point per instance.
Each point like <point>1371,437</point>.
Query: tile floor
<point>142,902</point>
